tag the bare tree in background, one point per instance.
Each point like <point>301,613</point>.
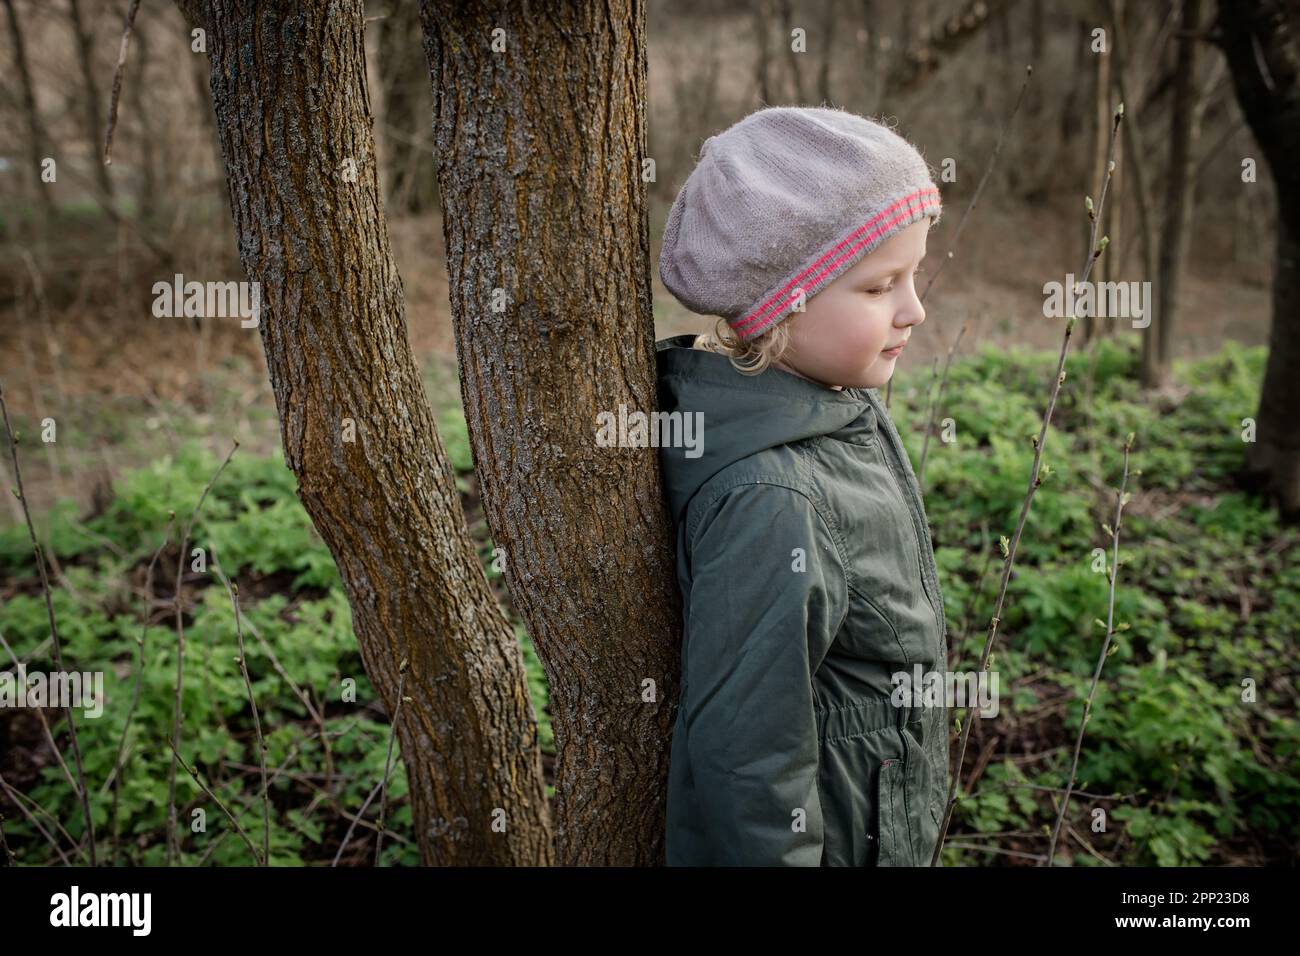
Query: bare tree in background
<point>292,108</point>
<point>548,255</point>
<point>826,44</point>
<point>90,96</point>
<point>1179,198</point>
<point>763,63</point>
<point>872,41</point>
<point>1261,40</point>
<point>38,142</point>
<point>410,167</point>
<point>792,58</point>
<point>1103,113</point>
<point>917,62</point>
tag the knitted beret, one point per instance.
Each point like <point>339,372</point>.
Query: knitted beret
<point>783,202</point>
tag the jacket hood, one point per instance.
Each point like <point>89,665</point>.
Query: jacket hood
<point>740,415</point>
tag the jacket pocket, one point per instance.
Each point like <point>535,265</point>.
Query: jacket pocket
<point>895,848</point>
<point>891,617</point>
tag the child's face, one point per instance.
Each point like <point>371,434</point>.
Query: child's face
<point>841,337</point>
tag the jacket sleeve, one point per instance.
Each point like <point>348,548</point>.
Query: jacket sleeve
<point>761,616</point>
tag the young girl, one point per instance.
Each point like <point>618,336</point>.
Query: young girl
<point>803,551</point>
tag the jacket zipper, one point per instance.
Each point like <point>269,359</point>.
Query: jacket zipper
<point>929,573</point>
<point>923,547</point>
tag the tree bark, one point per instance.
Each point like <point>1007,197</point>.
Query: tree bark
<point>548,251</point>
<point>35,128</point>
<point>1175,233</point>
<point>293,113</point>
<point>1134,156</point>
<point>1261,41</point>
<point>90,92</point>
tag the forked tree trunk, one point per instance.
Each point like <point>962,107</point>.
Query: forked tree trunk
<point>1261,41</point>
<point>293,116</point>
<point>541,142</point>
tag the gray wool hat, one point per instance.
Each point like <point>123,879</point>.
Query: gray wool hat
<point>781,204</point>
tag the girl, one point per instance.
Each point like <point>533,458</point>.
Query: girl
<point>803,551</point>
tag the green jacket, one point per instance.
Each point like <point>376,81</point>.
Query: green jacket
<point>807,579</point>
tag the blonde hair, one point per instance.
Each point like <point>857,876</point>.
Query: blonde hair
<point>750,357</point>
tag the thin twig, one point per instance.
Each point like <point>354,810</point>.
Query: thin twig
<point>118,764</point>
<point>996,850</point>
<point>40,715</point>
<point>10,859</point>
<point>392,736</point>
<point>283,770</point>
<point>117,81</point>
<point>18,799</point>
<point>233,591</point>
<point>988,171</point>
<point>374,792</point>
<point>1120,499</point>
<point>943,387</point>
<point>961,223</point>
<point>1095,250</point>
<point>80,786</point>
<point>217,800</point>
<point>975,596</point>
<point>305,697</point>
<point>180,660</point>
<point>1081,793</point>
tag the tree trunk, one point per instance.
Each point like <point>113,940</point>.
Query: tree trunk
<point>763,64</point>
<point>793,58</point>
<point>409,165</point>
<point>874,59</point>
<point>826,40</point>
<point>548,251</point>
<point>90,94</point>
<point>1261,41</point>
<point>1134,158</point>
<point>1175,233</point>
<point>916,62</point>
<point>37,140</point>
<point>148,194</point>
<point>293,115</point>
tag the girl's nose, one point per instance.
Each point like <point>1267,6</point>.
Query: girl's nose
<point>914,313</point>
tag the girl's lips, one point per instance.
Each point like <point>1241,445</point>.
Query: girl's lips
<point>894,351</point>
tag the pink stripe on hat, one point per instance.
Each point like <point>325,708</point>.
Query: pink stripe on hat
<point>775,203</point>
<point>918,204</point>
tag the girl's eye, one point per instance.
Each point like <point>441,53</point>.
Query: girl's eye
<point>881,290</point>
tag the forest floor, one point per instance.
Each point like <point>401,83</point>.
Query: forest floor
<point>130,393</point>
